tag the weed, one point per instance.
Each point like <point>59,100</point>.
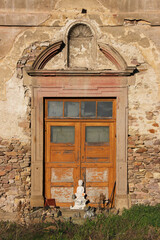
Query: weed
<point>138,223</point>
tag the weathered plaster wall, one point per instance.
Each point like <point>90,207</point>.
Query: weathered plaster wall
<point>27,28</point>
<point>35,12</point>
<point>137,46</point>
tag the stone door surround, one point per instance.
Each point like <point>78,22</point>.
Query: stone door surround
<point>78,86</point>
<point>78,83</point>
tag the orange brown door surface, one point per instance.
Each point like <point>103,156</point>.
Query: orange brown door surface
<point>62,165</point>
<point>79,144</point>
<point>97,160</point>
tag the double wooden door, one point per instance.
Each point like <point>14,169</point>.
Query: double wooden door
<point>79,150</point>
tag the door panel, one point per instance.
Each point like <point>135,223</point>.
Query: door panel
<point>95,194</point>
<point>63,195</point>
<point>57,175</point>
<point>97,159</point>
<point>62,163</point>
<point>97,154</point>
<point>61,154</point>
<point>96,175</point>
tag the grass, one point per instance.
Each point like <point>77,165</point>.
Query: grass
<point>138,223</point>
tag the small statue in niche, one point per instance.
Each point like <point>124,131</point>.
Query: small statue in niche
<point>80,201</point>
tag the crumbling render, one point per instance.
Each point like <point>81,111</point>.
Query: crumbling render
<point>136,22</point>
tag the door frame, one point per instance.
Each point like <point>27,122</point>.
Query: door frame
<point>73,85</point>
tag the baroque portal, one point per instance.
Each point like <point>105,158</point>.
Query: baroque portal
<point>94,70</point>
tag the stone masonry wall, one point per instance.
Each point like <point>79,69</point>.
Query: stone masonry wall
<point>15,164</point>
<point>144,136</point>
<point>15,171</point>
<point>143,169</point>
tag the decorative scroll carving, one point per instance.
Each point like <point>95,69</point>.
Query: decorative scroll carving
<point>80,30</point>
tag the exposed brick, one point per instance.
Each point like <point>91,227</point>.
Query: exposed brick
<point>8,168</point>
<point>157,142</point>
<point>10,147</point>
<point>11,153</point>
<point>143,172</point>
<point>137,163</point>
<point>152,130</point>
<point>149,115</point>
<point>2,173</point>
<point>141,150</point>
<point>2,153</point>
<point>155,125</point>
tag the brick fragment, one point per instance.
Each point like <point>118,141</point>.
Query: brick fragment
<point>155,125</point>
<point>8,168</point>
<point>2,173</point>
<point>141,150</point>
<point>11,153</point>
<point>149,115</point>
<point>149,175</point>
<point>2,153</point>
<point>157,142</point>
<point>152,130</point>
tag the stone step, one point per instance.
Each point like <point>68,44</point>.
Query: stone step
<point>72,213</point>
<point>7,216</point>
<point>79,221</point>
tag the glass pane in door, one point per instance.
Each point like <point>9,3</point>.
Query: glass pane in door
<point>71,109</point>
<point>55,109</point>
<point>97,134</point>
<point>88,109</point>
<point>104,109</point>
<point>62,134</point>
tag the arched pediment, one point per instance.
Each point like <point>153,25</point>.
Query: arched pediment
<point>113,55</point>
<point>47,55</point>
<point>81,53</point>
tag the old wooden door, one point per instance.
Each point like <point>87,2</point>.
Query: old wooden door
<point>97,160</point>
<point>79,147</point>
<point>62,165</point>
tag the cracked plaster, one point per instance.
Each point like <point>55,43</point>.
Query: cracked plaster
<point>134,43</point>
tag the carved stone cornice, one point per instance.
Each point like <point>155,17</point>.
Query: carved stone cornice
<point>110,53</point>
<point>127,72</point>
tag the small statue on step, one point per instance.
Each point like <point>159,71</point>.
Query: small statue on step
<point>80,201</point>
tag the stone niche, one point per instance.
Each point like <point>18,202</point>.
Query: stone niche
<point>83,50</point>
<point>80,47</point>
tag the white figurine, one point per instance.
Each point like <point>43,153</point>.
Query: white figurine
<point>80,201</point>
